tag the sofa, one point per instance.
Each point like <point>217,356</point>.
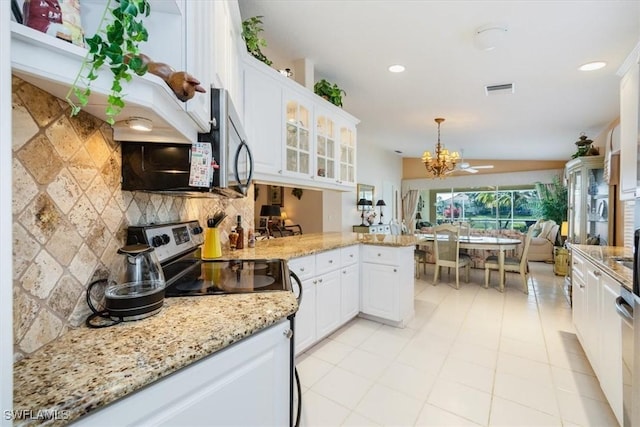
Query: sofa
<point>545,234</point>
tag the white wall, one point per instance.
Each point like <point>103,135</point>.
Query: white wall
<point>6,288</point>
<point>377,167</point>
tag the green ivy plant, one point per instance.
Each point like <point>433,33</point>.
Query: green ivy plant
<point>251,29</point>
<point>330,91</point>
<point>116,43</point>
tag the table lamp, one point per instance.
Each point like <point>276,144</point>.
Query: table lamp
<point>564,230</point>
<point>270,211</point>
<point>381,203</point>
<point>361,204</point>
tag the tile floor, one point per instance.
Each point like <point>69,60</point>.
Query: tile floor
<point>472,356</point>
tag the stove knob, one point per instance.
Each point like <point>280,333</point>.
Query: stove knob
<point>197,230</point>
<point>156,241</point>
<point>165,239</point>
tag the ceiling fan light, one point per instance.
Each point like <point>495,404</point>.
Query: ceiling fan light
<point>592,66</point>
<point>396,68</point>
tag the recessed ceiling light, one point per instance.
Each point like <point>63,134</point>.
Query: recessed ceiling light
<point>591,66</point>
<point>396,68</point>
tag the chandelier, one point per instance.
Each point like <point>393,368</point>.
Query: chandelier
<point>443,161</point>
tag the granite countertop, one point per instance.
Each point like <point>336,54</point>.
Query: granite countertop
<point>86,369</point>
<point>606,258</point>
<point>307,244</point>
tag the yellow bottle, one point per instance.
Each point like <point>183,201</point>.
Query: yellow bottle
<point>212,247</point>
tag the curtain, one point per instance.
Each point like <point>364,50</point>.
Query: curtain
<point>409,205</point>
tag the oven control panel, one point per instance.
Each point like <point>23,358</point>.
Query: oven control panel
<point>168,240</point>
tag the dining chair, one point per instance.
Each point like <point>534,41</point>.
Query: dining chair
<point>511,264</point>
<point>446,245</point>
<point>419,257</point>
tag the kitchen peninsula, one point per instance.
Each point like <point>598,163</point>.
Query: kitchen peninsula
<point>88,369</point>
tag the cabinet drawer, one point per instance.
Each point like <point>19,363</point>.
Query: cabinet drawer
<point>380,254</point>
<point>304,267</point>
<point>578,266</point>
<point>327,261</point>
<point>349,255</point>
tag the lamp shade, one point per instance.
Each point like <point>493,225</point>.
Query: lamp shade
<point>381,203</point>
<point>369,203</point>
<point>418,216</point>
<point>362,202</point>
<point>270,210</point>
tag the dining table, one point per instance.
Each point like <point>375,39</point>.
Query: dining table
<point>500,244</point>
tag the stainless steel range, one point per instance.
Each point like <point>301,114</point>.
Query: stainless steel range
<point>177,246</point>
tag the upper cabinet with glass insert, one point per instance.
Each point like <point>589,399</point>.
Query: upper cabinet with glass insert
<point>298,144</point>
<point>298,138</point>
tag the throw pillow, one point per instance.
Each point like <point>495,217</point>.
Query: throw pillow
<point>547,228</point>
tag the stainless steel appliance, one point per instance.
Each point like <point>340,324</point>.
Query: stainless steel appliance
<point>178,246</point>
<point>185,168</point>
<point>631,395</point>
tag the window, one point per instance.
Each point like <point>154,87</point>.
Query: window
<point>489,208</point>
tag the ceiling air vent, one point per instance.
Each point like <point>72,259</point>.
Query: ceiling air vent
<point>498,89</point>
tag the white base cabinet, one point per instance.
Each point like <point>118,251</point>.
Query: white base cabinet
<point>331,293</point>
<point>244,384</point>
<point>387,284</point>
<point>598,326</point>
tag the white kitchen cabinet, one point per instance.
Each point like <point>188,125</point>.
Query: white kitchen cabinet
<point>198,45</point>
<point>598,326</point>
<point>387,283</point>
<point>331,293</point>
<point>610,373</point>
<point>328,296</point>
<point>247,383</point>
<point>350,282</point>
<point>326,147</point>
<point>52,65</point>
<point>312,142</point>
<point>629,110</point>
<point>350,290</point>
<point>262,116</point>
<point>305,321</point>
<point>347,165</point>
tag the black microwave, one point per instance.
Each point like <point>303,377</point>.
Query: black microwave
<point>169,168</point>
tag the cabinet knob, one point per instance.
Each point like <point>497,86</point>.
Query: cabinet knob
<point>596,273</point>
<point>344,271</point>
<point>395,270</point>
<point>301,268</point>
<point>319,280</point>
<point>581,285</point>
<point>280,171</point>
<point>288,334</point>
<point>315,282</point>
<point>379,254</point>
<point>351,255</point>
<point>330,261</point>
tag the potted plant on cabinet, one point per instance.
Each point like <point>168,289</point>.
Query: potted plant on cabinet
<point>329,91</point>
<point>116,42</point>
<point>251,29</point>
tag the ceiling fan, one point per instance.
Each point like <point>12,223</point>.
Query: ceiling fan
<point>466,167</point>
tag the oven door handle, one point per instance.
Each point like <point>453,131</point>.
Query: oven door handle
<point>624,309</point>
<point>297,279</point>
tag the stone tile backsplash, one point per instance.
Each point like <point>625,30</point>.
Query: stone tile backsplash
<point>70,216</point>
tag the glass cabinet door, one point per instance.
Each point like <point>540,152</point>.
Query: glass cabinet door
<point>298,153</point>
<point>325,148</point>
<point>347,155</point>
<point>597,208</point>
<point>576,206</point>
